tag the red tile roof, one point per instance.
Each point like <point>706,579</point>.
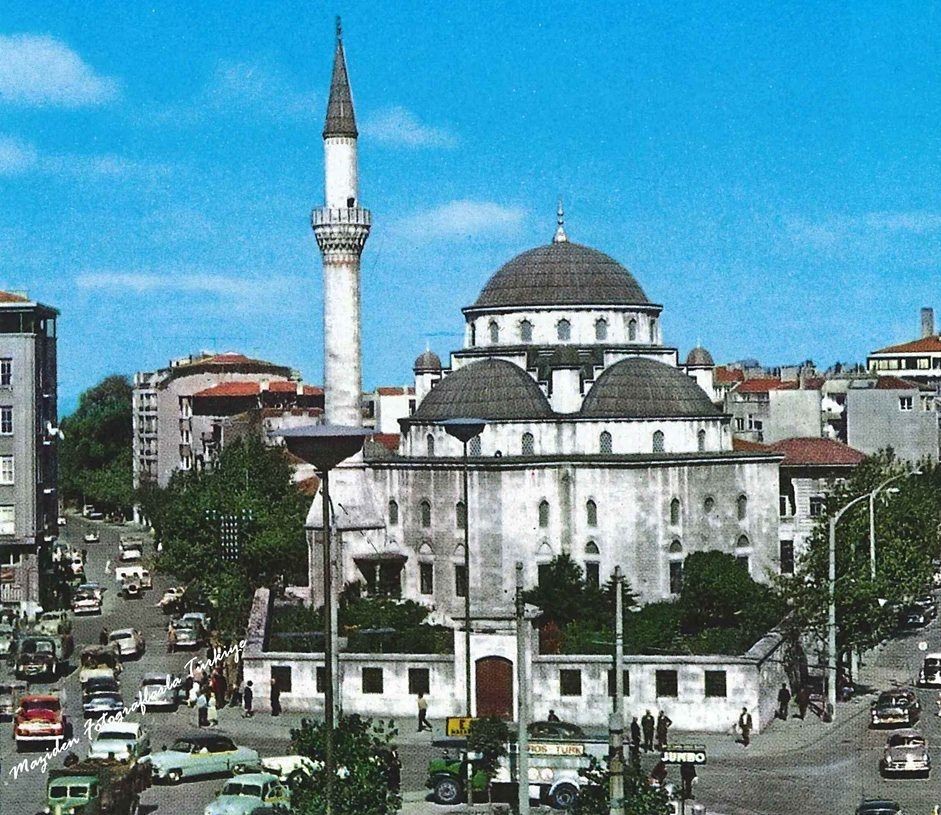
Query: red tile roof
<point>12,297</point>
<point>895,383</point>
<point>280,386</point>
<point>309,486</point>
<point>727,376</point>
<point>745,446</point>
<point>393,391</point>
<point>814,451</point>
<point>388,440</point>
<point>930,344</point>
<point>247,388</point>
<point>764,385</point>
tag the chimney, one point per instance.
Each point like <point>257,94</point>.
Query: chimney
<point>264,385</point>
<point>927,322</point>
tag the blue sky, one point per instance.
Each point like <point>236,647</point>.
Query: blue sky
<point>769,173</point>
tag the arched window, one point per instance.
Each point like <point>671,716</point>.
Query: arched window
<point>591,513</point>
<point>591,548</point>
<point>494,332</point>
<point>425,509</point>
<point>742,505</point>
<point>592,566</point>
<point>701,441</point>
<point>527,445</point>
<point>631,331</point>
<point>676,548</point>
<point>543,514</point>
<point>601,329</point>
<point>675,511</point>
<point>658,441</point>
<point>393,512</point>
<point>742,542</point>
<point>473,334</point>
<point>430,445</point>
<point>563,330</point>
<point>653,330</point>
<point>676,567</point>
<point>526,331</point>
<point>460,515</point>
<point>742,552</point>
<point>473,446</point>
<point>604,443</point>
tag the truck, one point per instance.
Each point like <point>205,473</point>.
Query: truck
<point>39,717</point>
<point>37,656</point>
<point>99,661</point>
<point>97,786</point>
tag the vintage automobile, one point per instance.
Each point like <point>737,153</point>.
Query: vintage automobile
<point>77,563</point>
<point>129,642</point>
<point>895,708</point>
<point>99,661</point>
<point>906,751</point>
<point>92,586</point>
<point>54,622</point>
<point>878,806</point>
<point>91,537</point>
<point>171,599</point>
<point>86,602</point>
<point>100,684</point>
<point>10,693</point>
<point>130,542</point>
<point>189,633</point>
<point>130,556</point>
<point>102,703</point>
<point>39,718</point>
<point>565,731</point>
<point>37,656</point>
<point>136,572</point>
<point>96,787</point>
<point>914,618</point>
<point>928,605</point>
<point>159,691</point>
<point>130,590</point>
<point>124,741</point>
<point>292,769</point>
<point>198,616</point>
<point>244,793</point>
<point>200,755</point>
<point>930,674</point>
<point>7,640</point>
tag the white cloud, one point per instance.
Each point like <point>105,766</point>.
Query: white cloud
<point>399,126</point>
<point>462,219</point>
<point>832,231</point>
<point>39,70</point>
<point>16,157</point>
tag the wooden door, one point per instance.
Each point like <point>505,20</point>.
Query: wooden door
<point>495,687</point>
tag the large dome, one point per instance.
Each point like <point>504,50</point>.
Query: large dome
<point>491,389</point>
<point>641,388</point>
<point>561,274</point>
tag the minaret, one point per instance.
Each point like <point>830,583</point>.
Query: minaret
<point>341,227</point>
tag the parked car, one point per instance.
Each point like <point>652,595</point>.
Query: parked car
<point>562,731</point>
<point>125,741</point>
<point>244,793</point>
<point>895,708</point>
<point>92,586</point>
<point>86,602</point>
<point>91,537</point>
<point>159,691</point>
<point>100,684</point>
<point>906,751</point>
<point>96,515</point>
<point>102,703</point>
<point>99,661</point>
<point>10,693</point>
<point>39,717</point>
<point>130,542</point>
<point>36,656</point>
<point>914,618</point>
<point>292,769</point>
<point>930,674</point>
<point>129,641</point>
<point>54,622</point>
<point>198,756</point>
<point>130,556</point>
<point>878,807</point>
<point>189,633</point>
<point>927,604</point>
<point>171,599</point>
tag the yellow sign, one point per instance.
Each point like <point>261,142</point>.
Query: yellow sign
<point>548,748</point>
<point>458,726</point>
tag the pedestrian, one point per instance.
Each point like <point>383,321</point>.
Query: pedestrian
<point>688,777</point>
<point>803,700</point>
<point>193,694</point>
<point>218,687</point>
<point>202,709</point>
<point>212,712</point>
<point>108,566</point>
<point>745,725</point>
<point>247,696</point>
<point>171,640</point>
<point>103,637</point>
<point>784,699</point>
<point>275,697</point>
<point>647,725</point>
<point>658,775</point>
<point>635,742</point>
<point>552,717</point>
<point>663,726</point>
<point>423,713</point>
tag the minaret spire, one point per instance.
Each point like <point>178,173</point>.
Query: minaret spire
<point>341,121</point>
<point>560,236</point>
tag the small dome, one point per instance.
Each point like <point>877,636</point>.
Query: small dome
<point>699,356</point>
<point>427,361</point>
<point>561,274</point>
<point>642,388</point>
<point>491,389</point>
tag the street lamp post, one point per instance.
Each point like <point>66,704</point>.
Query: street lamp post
<point>464,430</point>
<point>325,446</point>
<point>872,516</point>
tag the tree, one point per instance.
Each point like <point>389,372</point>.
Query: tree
<point>488,736</point>
<point>364,760</point>
<point>95,455</point>
<point>640,798</point>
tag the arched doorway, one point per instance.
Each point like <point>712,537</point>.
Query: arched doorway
<point>495,687</point>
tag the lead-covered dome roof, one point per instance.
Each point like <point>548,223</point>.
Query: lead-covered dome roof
<point>561,274</point>
<point>640,388</point>
<point>491,389</point>
<point>699,356</point>
<point>427,361</point>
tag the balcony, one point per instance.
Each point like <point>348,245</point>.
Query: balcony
<point>355,216</point>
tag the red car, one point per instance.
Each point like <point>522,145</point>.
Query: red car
<point>39,718</point>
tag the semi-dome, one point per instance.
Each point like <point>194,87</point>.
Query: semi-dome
<point>642,388</point>
<point>427,361</point>
<point>699,356</point>
<point>561,274</point>
<point>491,389</point>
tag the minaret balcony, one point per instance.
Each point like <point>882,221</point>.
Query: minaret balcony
<point>329,216</point>
<point>341,233</point>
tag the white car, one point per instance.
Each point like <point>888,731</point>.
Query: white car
<point>91,537</point>
<point>86,602</point>
<point>129,641</point>
<point>171,596</point>
<point>121,740</point>
<point>159,691</point>
<point>292,769</point>
<point>130,556</point>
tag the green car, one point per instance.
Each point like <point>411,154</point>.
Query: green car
<point>447,777</point>
<point>198,756</point>
<point>245,793</point>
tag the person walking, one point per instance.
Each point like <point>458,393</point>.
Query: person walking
<point>647,725</point>
<point>745,725</point>
<point>103,637</point>
<point>803,700</point>
<point>248,696</point>
<point>663,726</point>
<point>784,699</point>
<point>423,713</point>
<point>275,697</point>
<point>171,640</point>
<point>687,776</point>
<point>212,712</point>
<point>635,742</point>
<point>202,709</point>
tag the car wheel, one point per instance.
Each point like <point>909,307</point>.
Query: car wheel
<point>563,796</point>
<point>174,776</point>
<point>447,791</point>
<point>296,779</point>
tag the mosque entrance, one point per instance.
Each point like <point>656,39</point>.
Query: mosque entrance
<point>495,687</point>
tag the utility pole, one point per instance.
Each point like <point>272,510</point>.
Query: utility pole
<point>522,704</point>
<point>616,719</point>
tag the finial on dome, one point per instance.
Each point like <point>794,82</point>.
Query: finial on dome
<point>339,29</point>
<point>560,236</point>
